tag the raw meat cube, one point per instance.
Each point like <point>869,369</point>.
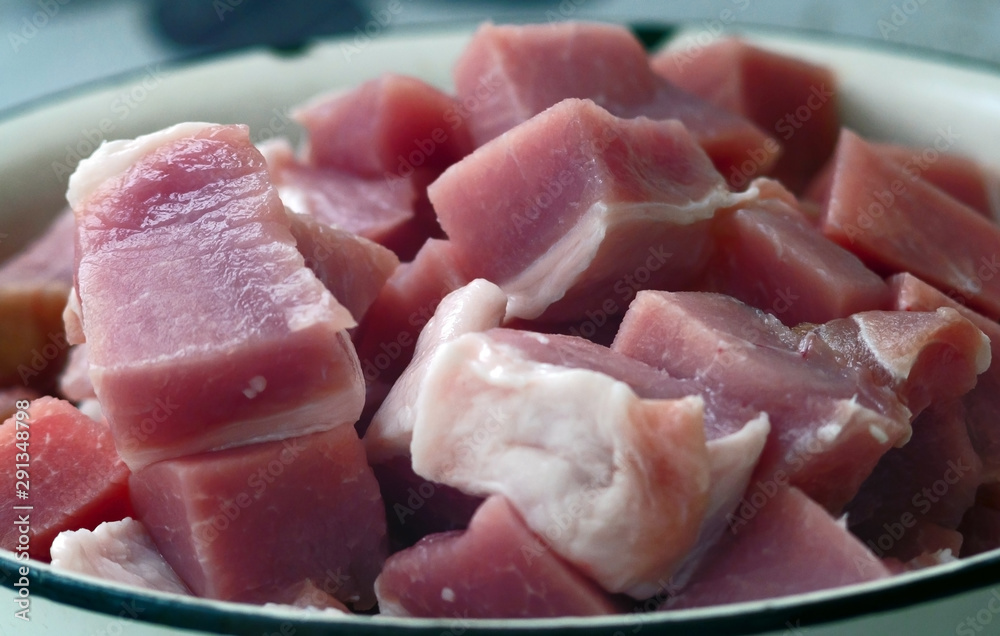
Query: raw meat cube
<point>228,338</point>
<point>248,523</point>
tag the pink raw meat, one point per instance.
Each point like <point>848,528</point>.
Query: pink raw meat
<point>561,208</point>
<point>923,357</point>
<point>389,126</point>
<point>769,255</point>
<point>119,551</point>
<point>790,546</point>
<point>578,453</point>
<point>507,74</point>
<point>515,575</point>
<point>791,99</point>
<point>826,439</point>
<point>982,403</point>
<point>246,524</point>
<point>184,224</point>
<point>75,478</point>
<point>352,268</point>
<point>974,184</point>
<point>896,224</point>
<point>375,208</point>
<point>931,480</point>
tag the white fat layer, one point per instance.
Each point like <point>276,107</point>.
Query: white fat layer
<point>548,278</point>
<point>475,307</point>
<point>120,551</point>
<point>556,442</point>
<point>115,157</point>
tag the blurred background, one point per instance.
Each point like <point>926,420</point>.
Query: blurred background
<point>55,45</point>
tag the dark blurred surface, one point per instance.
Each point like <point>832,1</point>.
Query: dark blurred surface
<point>52,45</point>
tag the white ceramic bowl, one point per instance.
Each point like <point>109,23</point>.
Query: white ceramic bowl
<point>886,93</point>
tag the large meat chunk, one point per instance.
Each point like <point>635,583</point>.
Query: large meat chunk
<point>843,417</point>
<point>896,224</point>
<point>578,453</point>
<point>120,551</point>
<point>507,74</point>
<point>789,546</point>
<point>205,328</point>
<point>247,524</point>
<point>791,99</point>
<point>496,569</point>
<point>769,255</point>
<point>33,289</point>
<point>389,126</point>
<point>558,210</point>
<point>66,466</point>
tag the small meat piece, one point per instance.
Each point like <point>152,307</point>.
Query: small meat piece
<point>559,209</point>
<point>352,268</point>
<point>391,125</point>
<point>70,472</point>
<point>793,100</point>
<point>511,73</point>
<point>119,551</point>
<point>924,357</point>
<point>972,183</point>
<point>310,505</point>
<point>982,403</point>
<point>184,223</point>
<point>378,209</point>
<point>496,569</point>
<point>387,336</point>
<point>578,454</point>
<point>932,480</point>
<point>74,383</point>
<point>896,224</point>
<point>826,439</point>
<point>790,546</point>
<point>34,285</point>
<point>769,255</point>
